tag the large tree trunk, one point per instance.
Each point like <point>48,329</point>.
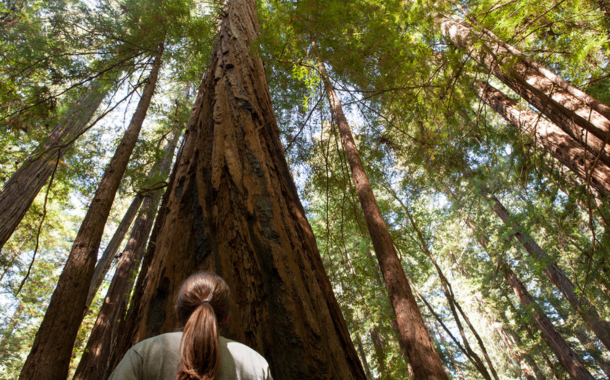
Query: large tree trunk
<point>584,308</point>
<point>579,115</point>
<point>553,139</point>
<point>423,358</point>
<point>52,348</point>
<point>234,210</point>
<point>103,264</point>
<point>20,190</point>
<point>561,348</point>
<point>96,356</point>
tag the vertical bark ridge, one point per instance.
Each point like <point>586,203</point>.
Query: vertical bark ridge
<point>234,209</point>
<point>423,358</point>
<point>50,355</point>
<point>21,189</point>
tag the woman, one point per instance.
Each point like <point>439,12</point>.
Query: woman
<point>198,352</point>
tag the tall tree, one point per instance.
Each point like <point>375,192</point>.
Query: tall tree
<point>553,139</point>
<point>19,191</point>
<point>105,261</point>
<point>556,342</point>
<point>94,362</point>
<point>423,358</point>
<point>580,303</point>
<point>52,348</point>
<point>234,209</point>
<point>582,117</point>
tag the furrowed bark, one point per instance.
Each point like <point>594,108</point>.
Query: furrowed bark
<point>582,306</point>
<point>561,348</point>
<point>96,356</point>
<point>21,189</point>
<point>553,139</point>
<point>423,358</point>
<point>103,264</point>
<point>234,210</point>
<point>52,348</point>
<point>585,119</point>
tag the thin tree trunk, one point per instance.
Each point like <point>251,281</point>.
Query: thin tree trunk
<point>96,356</point>
<point>234,209</point>
<point>584,308</point>
<point>513,342</point>
<point>380,355</point>
<point>422,355</point>
<point>561,348</point>
<point>476,362</point>
<point>555,141</point>
<point>579,115</point>
<point>52,348</point>
<point>22,188</point>
<point>103,264</point>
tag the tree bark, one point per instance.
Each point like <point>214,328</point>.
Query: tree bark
<point>582,306</point>
<point>585,119</point>
<point>103,264</point>
<point>423,358</point>
<point>95,359</point>
<point>553,139</point>
<point>234,210</point>
<point>561,348</point>
<point>52,348</point>
<point>21,189</point>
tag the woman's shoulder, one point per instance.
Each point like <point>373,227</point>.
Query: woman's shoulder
<point>168,340</point>
<point>246,361</point>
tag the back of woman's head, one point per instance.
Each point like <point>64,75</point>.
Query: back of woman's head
<point>203,302</point>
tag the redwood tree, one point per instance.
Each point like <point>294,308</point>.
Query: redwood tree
<point>19,191</point>
<point>423,358</point>
<point>94,362</point>
<point>50,355</point>
<point>234,209</point>
<point>579,115</point>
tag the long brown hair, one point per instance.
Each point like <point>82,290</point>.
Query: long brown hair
<point>202,302</point>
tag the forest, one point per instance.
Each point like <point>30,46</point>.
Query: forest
<point>392,189</point>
